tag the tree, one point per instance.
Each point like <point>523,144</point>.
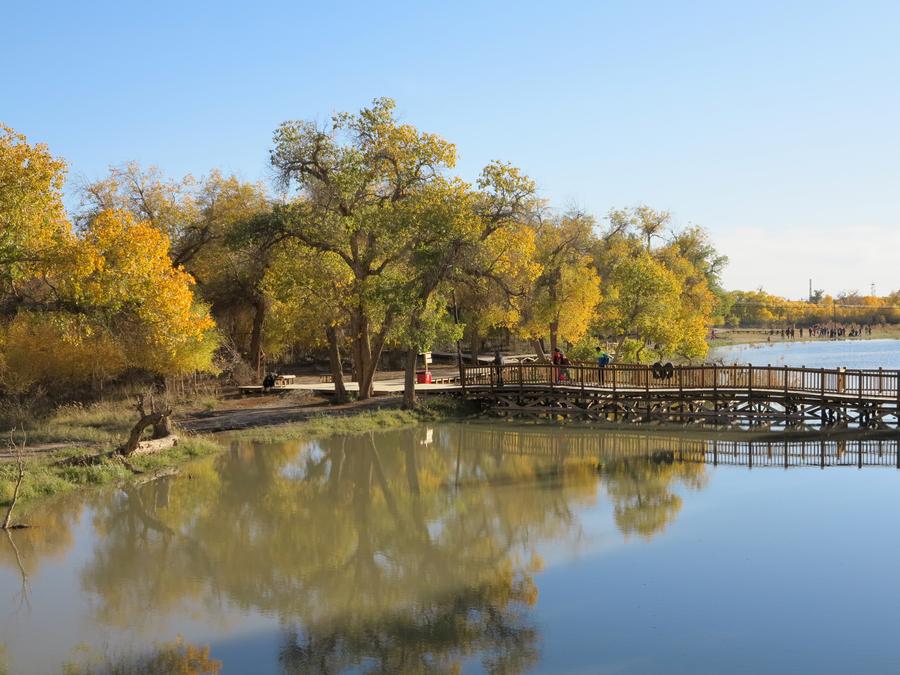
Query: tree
<point>353,177</point>
<point>567,291</point>
<point>498,297</point>
<point>459,233</point>
<point>204,221</point>
<point>157,322</point>
<point>33,224</point>
<point>308,293</point>
<point>641,305</point>
<point>149,196</point>
<point>651,223</point>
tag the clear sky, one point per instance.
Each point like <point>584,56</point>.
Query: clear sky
<point>775,125</point>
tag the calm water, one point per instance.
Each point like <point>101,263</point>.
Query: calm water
<point>489,547</point>
<point>817,354</point>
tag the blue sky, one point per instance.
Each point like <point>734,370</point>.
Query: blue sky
<point>775,125</point>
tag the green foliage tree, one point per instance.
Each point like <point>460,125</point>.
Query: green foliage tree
<point>353,178</point>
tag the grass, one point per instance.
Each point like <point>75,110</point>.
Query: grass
<point>45,476</point>
<point>430,410</point>
<point>104,423</point>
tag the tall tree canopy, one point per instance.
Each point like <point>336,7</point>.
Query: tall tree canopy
<point>353,177</point>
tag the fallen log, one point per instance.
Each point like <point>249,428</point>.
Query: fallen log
<point>154,445</point>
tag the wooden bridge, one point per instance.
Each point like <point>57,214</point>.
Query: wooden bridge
<point>743,396</point>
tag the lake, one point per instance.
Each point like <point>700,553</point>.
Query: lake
<point>814,354</point>
<point>479,546</point>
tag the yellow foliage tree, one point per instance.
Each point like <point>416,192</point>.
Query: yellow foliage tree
<point>566,294</point>
<point>85,307</point>
<point>33,223</point>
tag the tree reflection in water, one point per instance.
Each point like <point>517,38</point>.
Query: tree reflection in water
<point>642,490</point>
<point>398,551</point>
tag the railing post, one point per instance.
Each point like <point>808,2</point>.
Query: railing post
<point>581,374</point>
<point>897,413</point>
<point>552,375</point>
<point>749,379</point>
<point>785,381</point>
<point>822,383</point>
<point>614,368</point>
<point>520,377</point>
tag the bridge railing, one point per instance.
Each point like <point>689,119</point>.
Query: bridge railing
<point>630,377</point>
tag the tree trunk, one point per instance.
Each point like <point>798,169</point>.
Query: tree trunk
<point>554,336</point>
<point>375,351</point>
<point>163,427</point>
<point>134,436</point>
<point>158,419</point>
<point>474,348</point>
<point>539,348</point>
<point>409,379</point>
<point>256,334</point>
<point>334,358</point>
<point>362,352</point>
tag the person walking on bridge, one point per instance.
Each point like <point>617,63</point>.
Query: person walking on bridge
<point>602,362</point>
<point>557,360</point>
<point>498,364</point>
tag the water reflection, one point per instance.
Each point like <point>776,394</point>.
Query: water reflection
<point>403,551</point>
<point>357,545</point>
<point>172,658</point>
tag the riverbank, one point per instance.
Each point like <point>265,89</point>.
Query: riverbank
<point>726,337</point>
<point>91,432</point>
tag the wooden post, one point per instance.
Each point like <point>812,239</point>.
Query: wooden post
<point>614,368</point>
<point>520,378</point>
<point>897,413</point>
<point>581,373</point>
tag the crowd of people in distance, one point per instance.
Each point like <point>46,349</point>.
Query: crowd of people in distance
<point>829,331</point>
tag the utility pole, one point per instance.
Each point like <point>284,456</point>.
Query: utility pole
<point>810,290</point>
